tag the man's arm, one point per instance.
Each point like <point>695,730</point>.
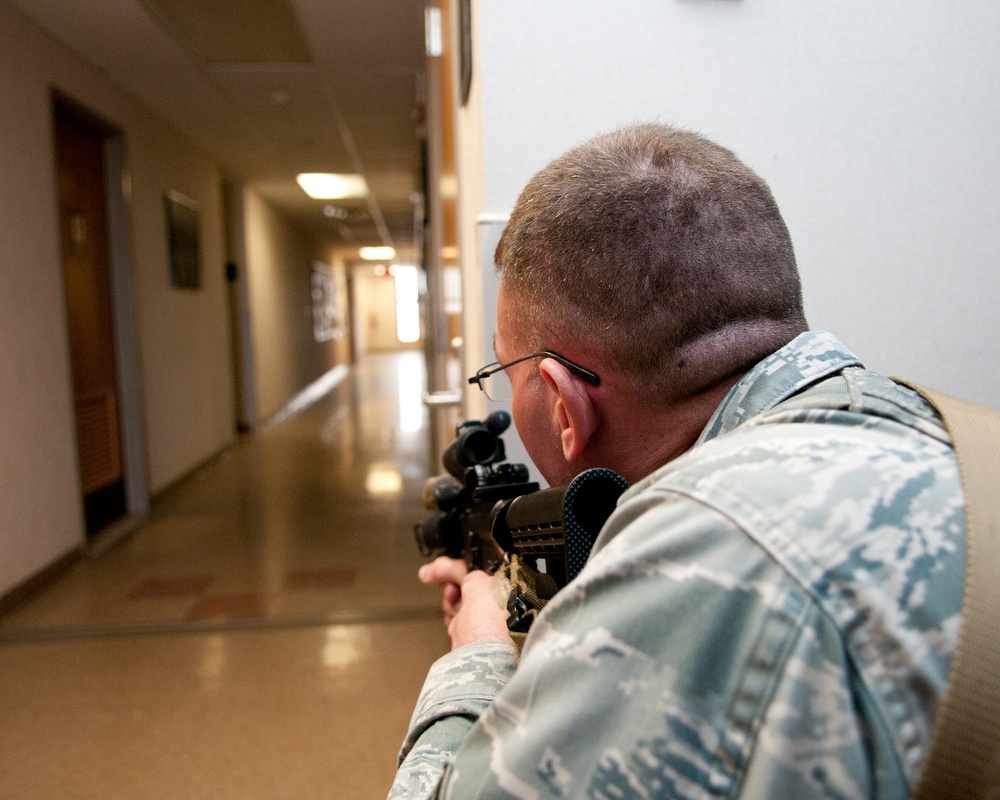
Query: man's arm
<point>458,689</point>
<point>657,668</point>
<point>460,685</point>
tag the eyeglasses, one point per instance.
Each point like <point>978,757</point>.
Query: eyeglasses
<point>493,380</point>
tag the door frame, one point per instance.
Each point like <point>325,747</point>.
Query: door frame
<point>132,434</point>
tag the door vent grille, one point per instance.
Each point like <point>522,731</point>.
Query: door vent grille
<point>97,431</point>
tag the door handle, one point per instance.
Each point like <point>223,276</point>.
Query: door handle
<point>446,398</point>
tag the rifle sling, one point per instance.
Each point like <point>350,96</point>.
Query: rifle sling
<point>963,758</point>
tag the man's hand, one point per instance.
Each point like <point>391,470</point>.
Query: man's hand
<point>473,610</point>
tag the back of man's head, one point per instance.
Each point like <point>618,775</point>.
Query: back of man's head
<point>659,252</point>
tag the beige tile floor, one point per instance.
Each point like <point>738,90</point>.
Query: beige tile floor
<point>260,635</point>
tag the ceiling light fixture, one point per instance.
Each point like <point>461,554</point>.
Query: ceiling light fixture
<point>330,186</point>
<point>377,253</point>
<point>432,31</point>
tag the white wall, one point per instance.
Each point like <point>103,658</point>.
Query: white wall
<point>279,258</point>
<point>182,337</point>
<point>184,334</point>
<point>40,515</point>
<point>374,301</point>
<point>876,124</point>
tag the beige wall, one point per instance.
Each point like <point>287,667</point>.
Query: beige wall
<point>182,336</point>
<point>875,124</point>
<point>374,300</point>
<point>279,258</point>
<point>39,515</point>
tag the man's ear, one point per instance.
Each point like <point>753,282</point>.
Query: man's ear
<point>574,410</point>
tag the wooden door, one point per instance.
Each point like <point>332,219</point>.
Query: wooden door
<point>86,266</point>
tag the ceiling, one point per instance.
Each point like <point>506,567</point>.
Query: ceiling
<point>272,88</point>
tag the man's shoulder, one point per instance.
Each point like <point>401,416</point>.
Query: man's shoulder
<point>851,490</point>
<point>853,486</point>
<point>841,422</point>
<point>843,425</point>
<point>857,396</point>
<point>853,477</point>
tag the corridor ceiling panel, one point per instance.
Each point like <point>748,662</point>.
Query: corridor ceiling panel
<point>272,88</point>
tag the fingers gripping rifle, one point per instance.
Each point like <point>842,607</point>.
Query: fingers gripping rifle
<point>486,511</point>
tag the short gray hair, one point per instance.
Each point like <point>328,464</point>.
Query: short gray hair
<point>659,250</point>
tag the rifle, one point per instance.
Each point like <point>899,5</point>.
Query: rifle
<point>486,510</point>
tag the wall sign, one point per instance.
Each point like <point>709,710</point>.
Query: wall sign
<point>327,321</point>
<point>182,237</point>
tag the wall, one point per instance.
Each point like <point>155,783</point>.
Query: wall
<point>40,515</point>
<point>875,123</point>
<point>279,258</point>
<point>182,336</point>
<point>374,301</point>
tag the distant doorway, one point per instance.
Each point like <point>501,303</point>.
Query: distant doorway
<point>83,219</point>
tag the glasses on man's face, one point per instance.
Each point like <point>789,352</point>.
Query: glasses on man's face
<point>493,380</point>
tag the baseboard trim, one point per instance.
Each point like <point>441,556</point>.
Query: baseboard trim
<point>12,598</point>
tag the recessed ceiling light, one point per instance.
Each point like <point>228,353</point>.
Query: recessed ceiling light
<point>329,186</point>
<point>377,253</point>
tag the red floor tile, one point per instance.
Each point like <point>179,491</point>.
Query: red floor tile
<point>320,579</point>
<point>230,606</point>
<point>187,586</point>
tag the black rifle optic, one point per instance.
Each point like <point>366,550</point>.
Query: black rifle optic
<point>484,508</point>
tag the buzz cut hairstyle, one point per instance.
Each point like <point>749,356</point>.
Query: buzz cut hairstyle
<point>658,250</point>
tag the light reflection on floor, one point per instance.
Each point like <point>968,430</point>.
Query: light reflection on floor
<point>262,634</point>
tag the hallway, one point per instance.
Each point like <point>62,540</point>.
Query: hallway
<point>261,635</point>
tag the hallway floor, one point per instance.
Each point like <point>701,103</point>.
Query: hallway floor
<point>262,634</point>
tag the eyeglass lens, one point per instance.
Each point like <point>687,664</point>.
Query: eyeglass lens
<point>497,386</point>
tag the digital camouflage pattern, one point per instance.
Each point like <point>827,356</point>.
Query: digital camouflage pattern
<point>771,615</point>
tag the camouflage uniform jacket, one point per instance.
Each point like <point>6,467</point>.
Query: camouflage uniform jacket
<point>772,615</point>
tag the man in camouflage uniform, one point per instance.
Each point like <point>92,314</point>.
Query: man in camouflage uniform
<point>772,609</point>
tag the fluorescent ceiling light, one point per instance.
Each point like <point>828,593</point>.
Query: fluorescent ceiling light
<point>328,186</point>
<point>432,31</point>
<point>377,253</point>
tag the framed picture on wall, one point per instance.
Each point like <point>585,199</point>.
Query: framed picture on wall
<point>182,238</point>
<point>328,322</point>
